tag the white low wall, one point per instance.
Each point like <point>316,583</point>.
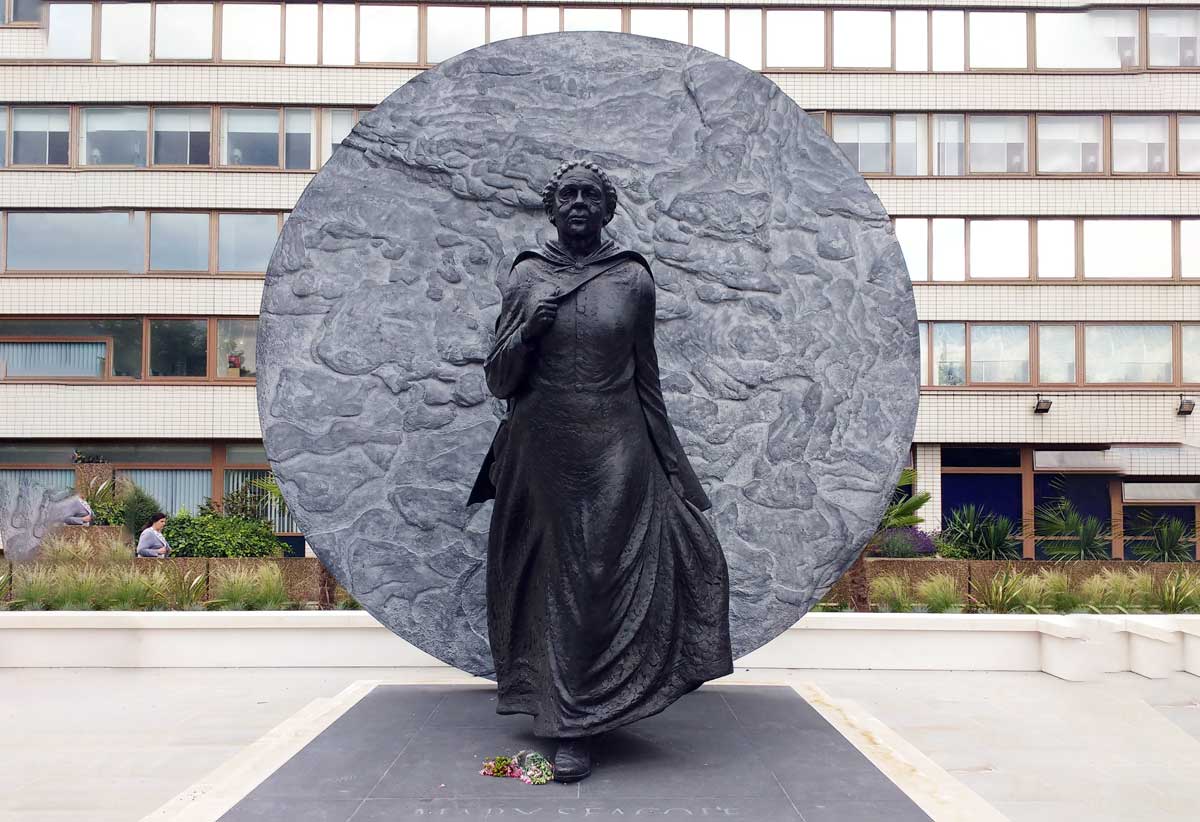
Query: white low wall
<point>1075,647</point>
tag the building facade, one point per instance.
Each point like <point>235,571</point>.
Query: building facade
<point>1041,160</point>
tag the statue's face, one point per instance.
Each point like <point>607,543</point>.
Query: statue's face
<point>579,204</point>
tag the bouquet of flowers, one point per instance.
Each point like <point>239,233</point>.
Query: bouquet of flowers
<point>529,766</point>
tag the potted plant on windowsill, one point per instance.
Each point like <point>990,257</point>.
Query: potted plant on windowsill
<point>234,362</point>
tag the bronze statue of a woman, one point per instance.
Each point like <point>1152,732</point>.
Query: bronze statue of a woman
<point>607,590</point>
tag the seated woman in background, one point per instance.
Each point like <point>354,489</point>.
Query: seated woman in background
<point>152,543</point>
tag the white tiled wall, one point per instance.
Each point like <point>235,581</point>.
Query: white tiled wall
<point>1042,301</point>
<point>267,190</point>
<point>929,479</point>
<point>1033,197</point>
<point>149,411</point>
<point>130,295</point>
<point>1074,417</point>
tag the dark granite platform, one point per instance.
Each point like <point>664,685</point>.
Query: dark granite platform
<point>414,752</point>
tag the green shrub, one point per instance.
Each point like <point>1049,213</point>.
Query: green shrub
<point>1165,539</point>
<point>891,593</point>
<point>947,548</point>
<point>103,495</point>
<point>939,593</point>
<point>33,587</point>
<point>1112,591</point>
<point>1058,595</point>
<point>244,588</point>
<point>182,589</point>
<point>208,535</point>
<point>1177,593</point>
<point>981,535</point>
<point>132,589</point>
<point>1002,594</point>
<point>137,507</point>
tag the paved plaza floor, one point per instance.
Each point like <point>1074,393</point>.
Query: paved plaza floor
<point>102,744</point>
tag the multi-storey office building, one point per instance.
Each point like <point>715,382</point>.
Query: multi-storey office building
<point>1042,161</point>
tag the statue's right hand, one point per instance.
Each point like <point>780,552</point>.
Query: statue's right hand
<point>540,320</point>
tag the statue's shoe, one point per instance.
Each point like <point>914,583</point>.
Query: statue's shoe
<point>573,761</point>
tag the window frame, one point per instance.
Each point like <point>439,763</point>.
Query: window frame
<point>107,376</point>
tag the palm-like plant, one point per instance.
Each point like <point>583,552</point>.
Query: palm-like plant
<point>1069,534</point>
<point>903,513</point>
<point>1166,539</point>
<point>998,539</point>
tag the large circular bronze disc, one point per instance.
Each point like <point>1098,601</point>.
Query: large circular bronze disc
<point>786,332</point>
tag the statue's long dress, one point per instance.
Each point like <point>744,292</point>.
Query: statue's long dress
<point>608,593</point>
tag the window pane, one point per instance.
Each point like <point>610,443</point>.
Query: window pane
<point>665,24</point>
<point>1191,353</point>
<point>912,41</point>
<point>1056,249</point>
<point>178,242</point>
<point>387,34</point>
<point>453,30</point>
<point>337,34</point>
<point>504,23</point>
<point>1126,248</point>
<point>1174,37</point>
<point>866,139</point>
<point>1140,143</point>
<point>591,19</point>
<point>27,11</point>
<point>183,31</point>
<point>1000,249</point>
<point>1091,39</point>
<point>795,39</point>
<point>999,353</point>
<point>125,32</point>
<point>124,334</point>
<point>862,39</point>
<point>250,137</point>
<point>949,354</point>
<point>949,254</point>
<point>923,336</point>
<point>24,360</point>
<point>300,31</point>
<point>41,136</point>
<point>948,135</point>
<point>3,136</point>
<point>249,454</point>
<point>245,241</point>
<point>998,39</point>
<point>1189,241</point>
<point>69,28</point>
<point>113,136</point>
<point>999,144</point>
<point>235,348</point>
<point>541,20</point>
<point>1189,143</point>
<point>1070,144</point>
<point>99,241</point>
<point>250,31</point>
<point>913,235</point>
<point>298,143</point>
<point>338,123</point>
<point>182,136</point>
<point>1056,353</point>
<point>174,489</point>
<point>178,348</point>
<point>708,29</point>
<point>745,38</point>
<point>948,40</point>
<point>1128,353</point>
<point>912,144</point>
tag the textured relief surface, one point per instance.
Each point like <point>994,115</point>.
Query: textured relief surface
<point>27,512</point>
<point>786,330</point>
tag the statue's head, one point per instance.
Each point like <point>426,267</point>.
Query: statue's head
<point>580,199</point>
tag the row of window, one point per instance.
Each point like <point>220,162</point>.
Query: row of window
<point>178,475</point>
<point>957,249</point>
<point>137,136</point>
<point>1059,354</point>
<point>951,145</point>
<point>136,242</point>
<point>820,39</point>
<point>128,348</point>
